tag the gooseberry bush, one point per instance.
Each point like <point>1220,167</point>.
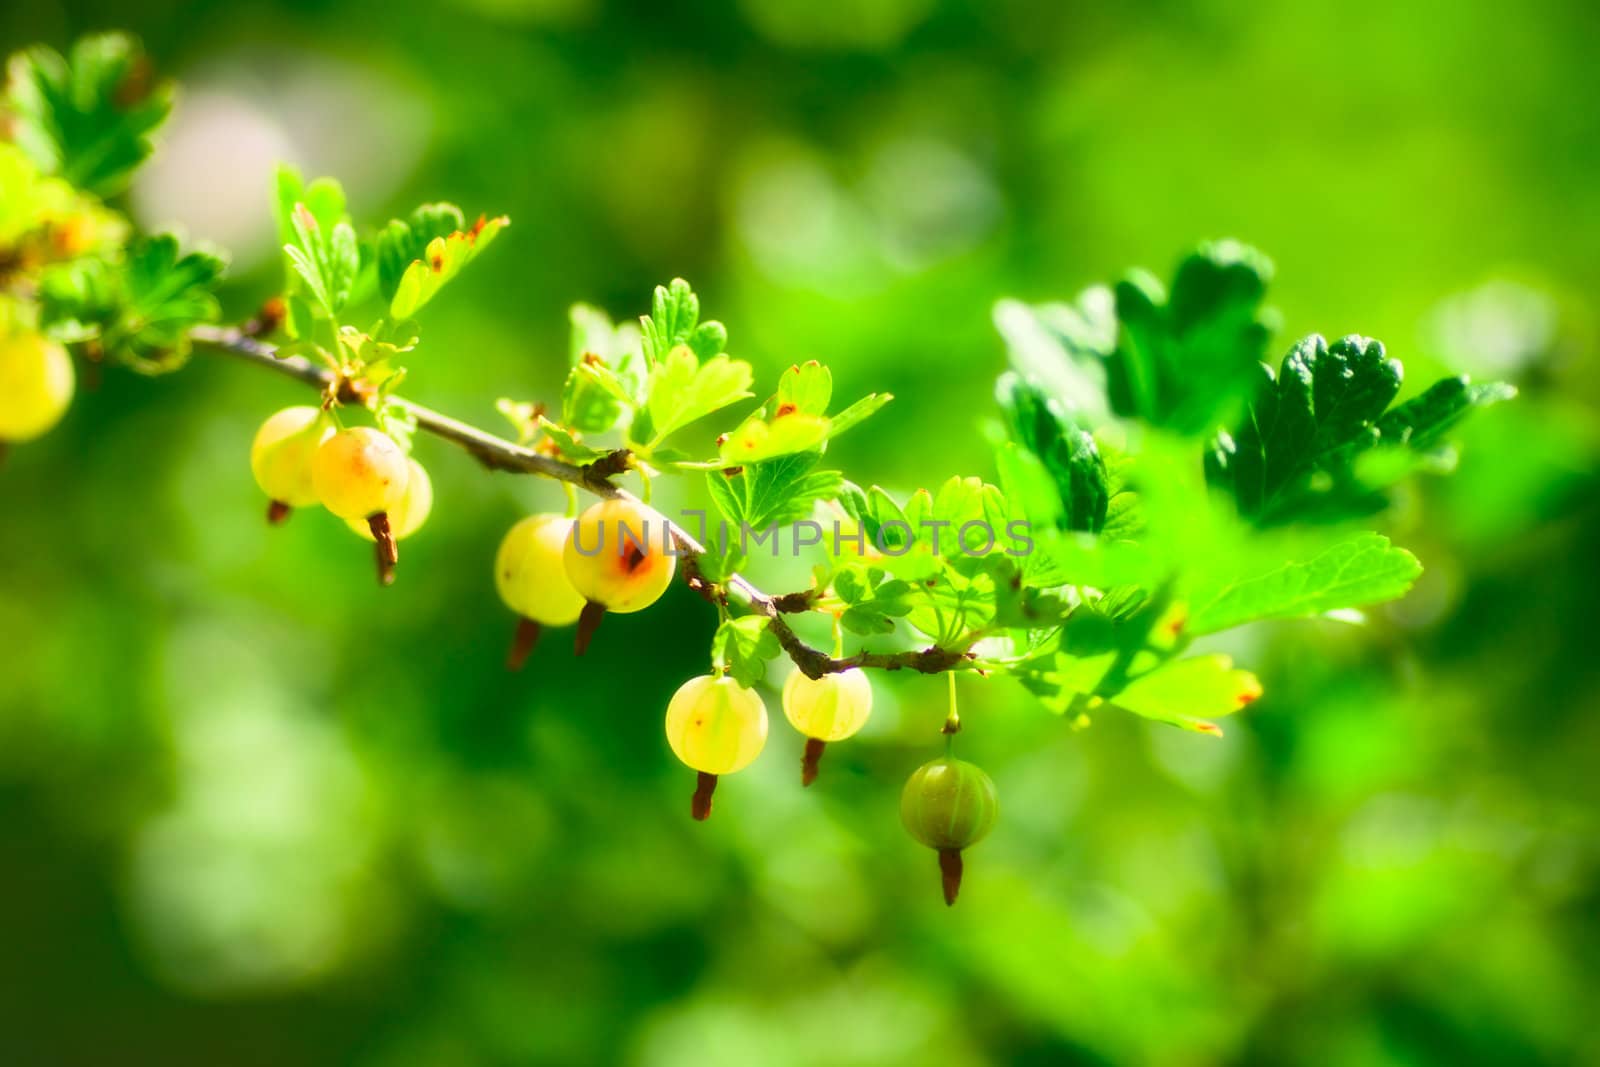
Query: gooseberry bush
<point>1155,478</point>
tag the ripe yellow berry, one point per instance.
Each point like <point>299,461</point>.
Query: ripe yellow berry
<point>359,473</point>
<point>830,708</point>
<point>36,383</point>
<point>715,726</point>
<point>531,577</point>
<point>617,557</point>
<point>407,517</point>
<point>281,454</point>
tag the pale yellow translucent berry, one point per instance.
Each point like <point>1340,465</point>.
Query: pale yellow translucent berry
<point>530,575</point>
<point>359,473</point>
<point>830,708</point>
<point>715,725</point>
<point>36,383</point>
<point>407,517</point>
<point>281,454</point>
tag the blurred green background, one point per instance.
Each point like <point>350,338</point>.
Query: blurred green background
<point>254,810</point>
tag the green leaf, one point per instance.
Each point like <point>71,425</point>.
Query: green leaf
<point>1069,454</point>
<point>141,309</point>
<point>1422,421</point>
<point>743,646</point>
<point>1190,692</point>
<point>682,389</point>
<point>756,439</point>
<point>571,448</point>
<point>1365,569</point>
<point>441,259</point>
<point>90,118</point>
<point>326,259</point>
<point>883,522</point>
<point>1182,359</point>
<point>166,294</point>
<point>804,389</point>
<point>674,320</point>
<point>1295,454</point>
<point>772,493</point>
<point>404,241</point>
<point>1064,348</point>
<point>857,413</point>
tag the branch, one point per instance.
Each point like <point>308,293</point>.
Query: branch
<point>496,453</point>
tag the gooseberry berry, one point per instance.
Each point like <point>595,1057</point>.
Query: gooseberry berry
<point>830,708</point>
<point>716,726</point>
<point>406,518</point>
<point>531,577</point>
<point>361,473</point>
<point>949,805</point>
<point>36,383</point>
<point>281,454</point>
<point>617,558</point>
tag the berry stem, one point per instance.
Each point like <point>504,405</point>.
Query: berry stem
<point>277,513</point>
<point>809,762</point>
<point>588,623</point>
<point>950,873</point>
<point>522,644</point>
<point>952,726</point>
<point>388,550</point>
<point>700,803</point>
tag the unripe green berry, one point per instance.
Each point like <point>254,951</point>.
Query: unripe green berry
<point>359,473</point>
<point>36,385</point>
<point>949,804</point>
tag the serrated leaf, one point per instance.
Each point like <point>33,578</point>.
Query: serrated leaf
<point>1069,454</point>
<point>772,493</point>
<point>1184,357</point>
<point>404,241</point>
<point>166,294</point>
<point>1190,692</point>
<point>757,439</point>
<point>1296,453</point>
<point>326,259</point>
<point>1064,348</point>
<point>141,309</point>
<point>804,389</point>
<point>90,118</point>
<point>567,443</point>
<point>1365,569</point>
<point>442,258</point>
<point>743,646</point>
<point>682,389</point>
<point>858,413</point>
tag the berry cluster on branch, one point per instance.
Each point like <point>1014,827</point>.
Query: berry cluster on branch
<point>1157,480</point>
